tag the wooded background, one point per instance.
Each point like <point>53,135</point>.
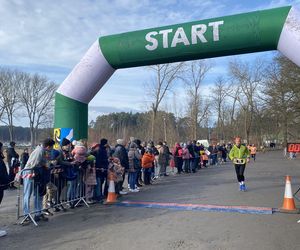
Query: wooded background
<point>257,100</point>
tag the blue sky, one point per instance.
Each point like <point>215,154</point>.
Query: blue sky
<point>50,37</point>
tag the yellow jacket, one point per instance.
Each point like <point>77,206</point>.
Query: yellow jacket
<point>239,153</point>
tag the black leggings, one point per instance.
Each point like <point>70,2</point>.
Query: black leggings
<point>239,169</point>
<point>1,194</point>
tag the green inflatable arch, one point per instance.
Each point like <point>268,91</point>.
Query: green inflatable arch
<point>274,29</point>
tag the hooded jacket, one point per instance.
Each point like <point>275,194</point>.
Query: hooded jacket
<point>122,155</point>
<point>147,160</point>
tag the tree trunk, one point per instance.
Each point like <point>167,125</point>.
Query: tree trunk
<point>285,130</point>
<point>195,125</point>
<point>32,135</point>
<point>11,132</point>
<point>154,112</point>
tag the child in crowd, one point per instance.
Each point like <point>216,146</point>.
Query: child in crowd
<point>90,178</point>
<point>204,158</point>
<point>147,163</point>
<point>79,152</point>
<point>115,172</point>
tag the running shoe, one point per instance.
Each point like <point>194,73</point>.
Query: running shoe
<point>2,233</point>
<point>134,190</point>
<point>244,188</point>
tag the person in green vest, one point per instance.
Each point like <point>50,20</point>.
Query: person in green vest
<point>240,156</point>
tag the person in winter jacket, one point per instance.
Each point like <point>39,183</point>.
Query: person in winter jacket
<point>90,178</point>
<point>240,155</point>
<point>213,154</point>
<point>115,172</point>
<point>134,165</point>
<point>24,158</point>
<point>147,164</point>
<point>204,158</point>
<point>162,159</point>
<point>12,158</point>
<point>101,170</point>
<point>155,165</point>
<point>33,174</point>
<point>122,155</point>
<point>4,180</point>
<point>66,159</point>
<point>186,158</point>
<point>190,147</point>
<point>196,146</point>
<point>177,154</point>
<point>253,150</point>
<point>141,149</point>
<point>79,153</point>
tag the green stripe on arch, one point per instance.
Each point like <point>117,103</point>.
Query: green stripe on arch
<point>70,113</point>
<point>237,34</point>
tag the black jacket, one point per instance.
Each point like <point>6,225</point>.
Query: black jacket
<point>4,180</point>
<point>24,159</point>
<point>122,155</point>
<point>101,161</point>
<point>11,153</point>
<point>191,150</point>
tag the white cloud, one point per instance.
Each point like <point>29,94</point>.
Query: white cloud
<point>35,35</point>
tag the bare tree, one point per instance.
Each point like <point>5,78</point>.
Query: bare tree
<point>219,94</point>
<point>193,79</point>
<point>247,79</point>
<point>36,95</point>
<point>10,85</point>
<point>281,93</point>
<point>2,103</point>
<point>165,75</point>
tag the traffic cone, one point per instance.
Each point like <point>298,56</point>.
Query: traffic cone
<point>111,197</point>
<point>288,201</point>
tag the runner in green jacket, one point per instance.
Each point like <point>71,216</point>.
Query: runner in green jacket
<point>240,155</point>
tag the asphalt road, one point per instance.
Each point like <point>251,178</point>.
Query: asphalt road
<point>114,227</point>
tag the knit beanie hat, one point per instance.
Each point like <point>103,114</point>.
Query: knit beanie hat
<point>103,142</point>
<point>91,158</point>
<point>120,141</point>
<point>65,142</point>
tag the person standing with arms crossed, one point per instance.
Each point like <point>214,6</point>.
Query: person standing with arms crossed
<point>240,156</point>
